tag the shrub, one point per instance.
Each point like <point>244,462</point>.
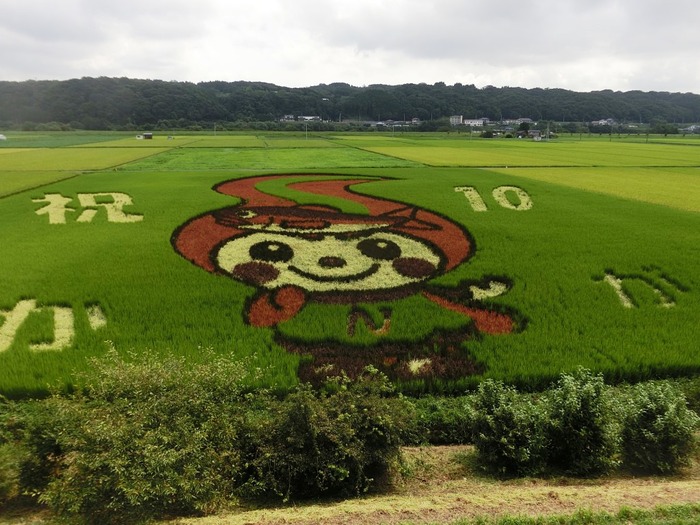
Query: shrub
<point>9,472</point>
<point>657,434</point>
<point>12,452</point>
<point>159,436</point>
<point>40,424</point>
<point>583,434</point>
<point>509,430</point>
<point>442,421</point>
<point>10,455</point>
<point>691,391</point>
<point>337,441</point>
<point>144,438</point>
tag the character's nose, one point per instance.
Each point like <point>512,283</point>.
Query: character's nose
<point>331,262</point>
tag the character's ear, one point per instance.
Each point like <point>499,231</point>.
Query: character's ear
<point>273,307</point>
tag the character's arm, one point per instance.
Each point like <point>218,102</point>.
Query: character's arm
<point>486,321</point>
<point>273,307</point>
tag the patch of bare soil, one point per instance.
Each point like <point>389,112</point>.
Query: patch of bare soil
<point>441,486</point>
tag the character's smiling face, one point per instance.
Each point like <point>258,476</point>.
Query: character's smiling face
<point>325,263</point>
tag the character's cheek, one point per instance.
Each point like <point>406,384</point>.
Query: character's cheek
<point>257,273</point>
<point>413,267</point>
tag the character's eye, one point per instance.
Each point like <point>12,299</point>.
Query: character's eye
<point>271,251</point>
<point>379,249</point>
<point>246,214</point>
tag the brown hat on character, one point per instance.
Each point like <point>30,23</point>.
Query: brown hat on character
<point>198,239</point>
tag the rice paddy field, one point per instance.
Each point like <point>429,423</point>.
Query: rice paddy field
<point>439,259</point>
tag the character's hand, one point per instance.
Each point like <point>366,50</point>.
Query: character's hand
<point>273,307</point>
<point>494,289</point>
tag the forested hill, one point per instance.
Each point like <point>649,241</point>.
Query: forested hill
<point>123,103</point>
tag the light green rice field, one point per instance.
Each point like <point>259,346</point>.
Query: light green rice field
<point>573,227</point>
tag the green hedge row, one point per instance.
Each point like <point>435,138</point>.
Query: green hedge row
<point>149,437</point>
<point>579,427</point>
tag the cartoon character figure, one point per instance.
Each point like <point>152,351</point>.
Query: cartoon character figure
<point>297,255</point>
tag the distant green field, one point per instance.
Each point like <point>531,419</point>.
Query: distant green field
<point>72,159</point>
<point>669,186</point>
<point>17,181</point>
<point>484,153</point>
<point>55,140</point>
<point>438,264</point>
<point>283,158</point>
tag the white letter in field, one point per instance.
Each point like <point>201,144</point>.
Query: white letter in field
<point>115,211</point>
<point>56,207</point>
<point>13,320</point>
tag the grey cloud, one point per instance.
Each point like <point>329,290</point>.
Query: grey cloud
<point>34,21</point>
<point>506,32</point>
<point>577,44</point>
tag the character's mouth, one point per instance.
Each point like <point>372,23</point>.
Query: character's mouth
<point>336,278</point>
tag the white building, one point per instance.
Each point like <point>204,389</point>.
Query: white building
<point>459,120</point>
<point>475,122</point>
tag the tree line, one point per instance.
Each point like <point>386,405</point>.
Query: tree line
<point>106,103</point>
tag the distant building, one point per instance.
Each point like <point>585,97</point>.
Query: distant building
<point>459,120</point>
<point>475,122</point>
<point>535,134</point>
<point>517,121</point>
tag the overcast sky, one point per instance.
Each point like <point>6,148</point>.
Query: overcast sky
<point>582,45</point>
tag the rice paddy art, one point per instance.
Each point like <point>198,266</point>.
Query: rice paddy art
<point>355,265</point>
<point>410,254</point>
<point>57,207</point>
<point>63,321</point>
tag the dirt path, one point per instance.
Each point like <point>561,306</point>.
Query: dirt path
<point>442,489</point>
